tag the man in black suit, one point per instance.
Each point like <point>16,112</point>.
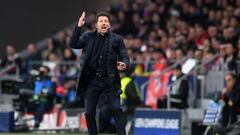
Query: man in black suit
<point>103,54</point>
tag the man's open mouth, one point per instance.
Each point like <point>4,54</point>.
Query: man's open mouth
<point>104,28</point>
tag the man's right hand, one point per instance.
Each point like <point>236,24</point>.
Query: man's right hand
<point>81,20</point>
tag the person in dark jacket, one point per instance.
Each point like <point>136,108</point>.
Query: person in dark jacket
<point>130,97</point>
<point>231,98</point>
<point>103,54</point>
<point>179,89</point>
<point>12,58</point>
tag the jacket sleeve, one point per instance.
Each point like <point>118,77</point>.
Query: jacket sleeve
<point>75,41</point>
<point>236,99</point>
<point>122,53</point>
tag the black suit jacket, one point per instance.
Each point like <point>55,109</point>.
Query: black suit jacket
<point>116,51</point>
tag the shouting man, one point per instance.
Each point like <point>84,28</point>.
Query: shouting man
<point>104,54</point>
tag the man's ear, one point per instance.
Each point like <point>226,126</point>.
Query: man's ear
<point>96,25</point>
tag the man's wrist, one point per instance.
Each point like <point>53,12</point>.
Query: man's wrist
<point>77,27</point>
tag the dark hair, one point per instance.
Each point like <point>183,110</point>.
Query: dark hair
<point>46,67</point>
<point>103,14</point>
<point>178,67</point>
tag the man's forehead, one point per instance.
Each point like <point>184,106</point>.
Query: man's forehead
<point>102,17</point>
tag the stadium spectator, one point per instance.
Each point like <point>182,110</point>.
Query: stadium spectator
<point>51,48</point>
<point>179,89</point>
<point>231,98</point>
<point>44,94</point>
<point>179,54</point>
<point>61,40</point>
<point>33,52</point>
<point>52,63</point>
<point>33,55</point>
<point>68,55</point>
<point>130,97</point>
<point>230,58</point>
<point>68,69</point>
<point>12,58</point>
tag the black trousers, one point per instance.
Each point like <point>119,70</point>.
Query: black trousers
<point>95,87</point>
<point>40,109</point>
<point>229,115</point>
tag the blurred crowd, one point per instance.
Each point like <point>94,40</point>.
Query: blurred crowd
<point>160,32</point>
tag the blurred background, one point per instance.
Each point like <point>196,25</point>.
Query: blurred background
<point>27,20</point>
<point>184,75</point>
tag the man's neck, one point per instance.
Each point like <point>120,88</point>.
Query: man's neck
<point>102,34</point>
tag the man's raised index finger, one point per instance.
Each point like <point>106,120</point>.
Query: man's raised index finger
<point>83,14</point>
